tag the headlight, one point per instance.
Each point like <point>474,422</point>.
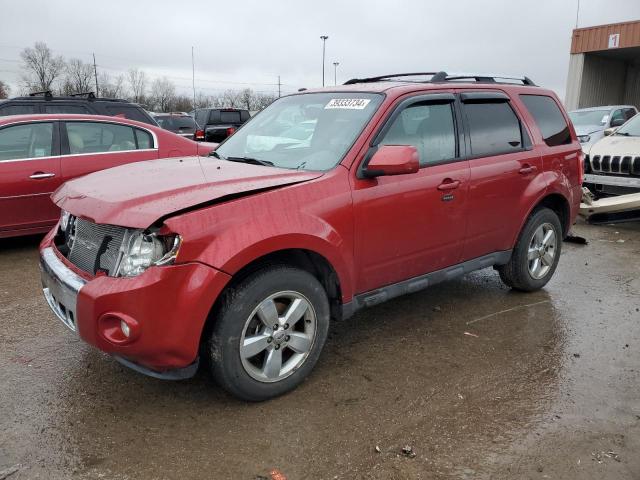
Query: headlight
<point>146,249</point>
<point>584,138</point>
<point>64,220</point>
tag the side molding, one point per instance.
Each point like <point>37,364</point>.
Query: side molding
<point>374,297</point>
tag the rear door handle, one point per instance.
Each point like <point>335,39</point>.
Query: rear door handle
<point>528,169</point>
<point>41,175</point>
<point>448,184</point>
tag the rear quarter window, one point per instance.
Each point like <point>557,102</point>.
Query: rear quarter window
<point>130,112</point>
<point>549,118</point>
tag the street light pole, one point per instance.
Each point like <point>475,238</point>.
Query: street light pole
<point>335,73</point>
<point>324,41</point>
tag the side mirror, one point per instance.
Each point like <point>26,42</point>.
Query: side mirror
<point>616,122</point>
<point>392,160</point>
<point>610,131</point>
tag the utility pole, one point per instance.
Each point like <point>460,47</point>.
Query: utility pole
<point>324,41</point>
<point>193,77</point>
<point>577,13</point>
<point>95,72</point>
<point>279,84</point>
<point>335,73</point>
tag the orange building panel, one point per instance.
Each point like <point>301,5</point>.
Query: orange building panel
<point>606,37</point>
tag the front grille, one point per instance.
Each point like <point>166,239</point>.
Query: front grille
<point>622,165</point>
<point>95,247</point>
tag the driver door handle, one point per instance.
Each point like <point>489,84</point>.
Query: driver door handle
<point>448,184</point>
<point>526,169</point>
<point>41,175</point>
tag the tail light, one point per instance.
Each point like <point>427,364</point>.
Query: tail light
<point>199,135</point>
<point>582,164</point>
<point>230,131</point>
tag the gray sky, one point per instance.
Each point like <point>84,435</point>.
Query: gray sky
<point>250,42</point>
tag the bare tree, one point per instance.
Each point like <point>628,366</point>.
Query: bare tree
<point>111,87</point>
<point>163,94</point>
<point>247,98</point>
<point>137,81</point>
<point>231,99</point>
<point>263,100</point>
<point>202,100</point>
<point>182,103</point>
<point>79,76</point>
<point>40,67</point>
<point>4,90</point>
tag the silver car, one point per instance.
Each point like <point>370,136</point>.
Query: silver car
<point>590,123</point>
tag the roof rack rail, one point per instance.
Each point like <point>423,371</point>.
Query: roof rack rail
<point>480,78</point>
<point>45,93</point>
<point>438,77</point>
<point>387,77</point>
<point>90,95</point>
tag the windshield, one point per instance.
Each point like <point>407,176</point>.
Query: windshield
<point>311,131</point>
<point>631,128</point>
<point>583,118</point>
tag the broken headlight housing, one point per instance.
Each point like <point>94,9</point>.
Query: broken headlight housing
<point>143,250</point>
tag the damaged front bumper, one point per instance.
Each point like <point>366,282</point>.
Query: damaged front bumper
<point>610,209</point>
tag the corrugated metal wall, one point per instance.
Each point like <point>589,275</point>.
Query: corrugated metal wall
<point>603,82</point>
<point>632,87</point>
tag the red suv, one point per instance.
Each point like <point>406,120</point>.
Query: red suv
<point>38,153</point>
<point>242,258</point>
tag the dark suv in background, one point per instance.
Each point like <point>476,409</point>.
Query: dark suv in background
<point>219,123</point>
<point>86,103</point>
<point>179,123</point>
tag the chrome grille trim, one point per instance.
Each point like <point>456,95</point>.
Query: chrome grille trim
<point>96,246</point>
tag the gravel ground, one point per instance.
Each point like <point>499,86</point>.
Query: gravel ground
<point>480,382</point>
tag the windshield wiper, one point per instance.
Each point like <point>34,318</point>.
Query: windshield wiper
<point>626,134</point>
<point>253,161</point>
<point>213,153</point>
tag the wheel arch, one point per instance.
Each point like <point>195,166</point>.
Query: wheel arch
<point>310,261</point>
<point>556,202</point>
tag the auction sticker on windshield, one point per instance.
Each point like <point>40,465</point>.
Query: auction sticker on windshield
<point>348,103</point>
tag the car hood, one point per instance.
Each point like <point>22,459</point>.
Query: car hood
<point>617,145</point>
<point>588,129</point>
<point>138,194</point>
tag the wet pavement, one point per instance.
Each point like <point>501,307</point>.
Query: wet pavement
<point>481,383</point>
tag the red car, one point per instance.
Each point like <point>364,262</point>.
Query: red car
<point>244,257</point>
<point>38,153</point>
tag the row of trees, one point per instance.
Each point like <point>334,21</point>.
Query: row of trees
<point>42,71</point>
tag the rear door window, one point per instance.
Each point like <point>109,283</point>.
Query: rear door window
<point>96,137</point>
<point>494,128</point>
<point>32,140</point>
<point>628,113</point>
<point>549,118</point>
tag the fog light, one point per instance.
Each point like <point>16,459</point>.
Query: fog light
<point>125,328</point>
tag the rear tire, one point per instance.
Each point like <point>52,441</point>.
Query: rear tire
<point>268,333</point>
<point>536,254</point>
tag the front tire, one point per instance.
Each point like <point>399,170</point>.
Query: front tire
<point>268,333</point>
<point>536,254</point>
